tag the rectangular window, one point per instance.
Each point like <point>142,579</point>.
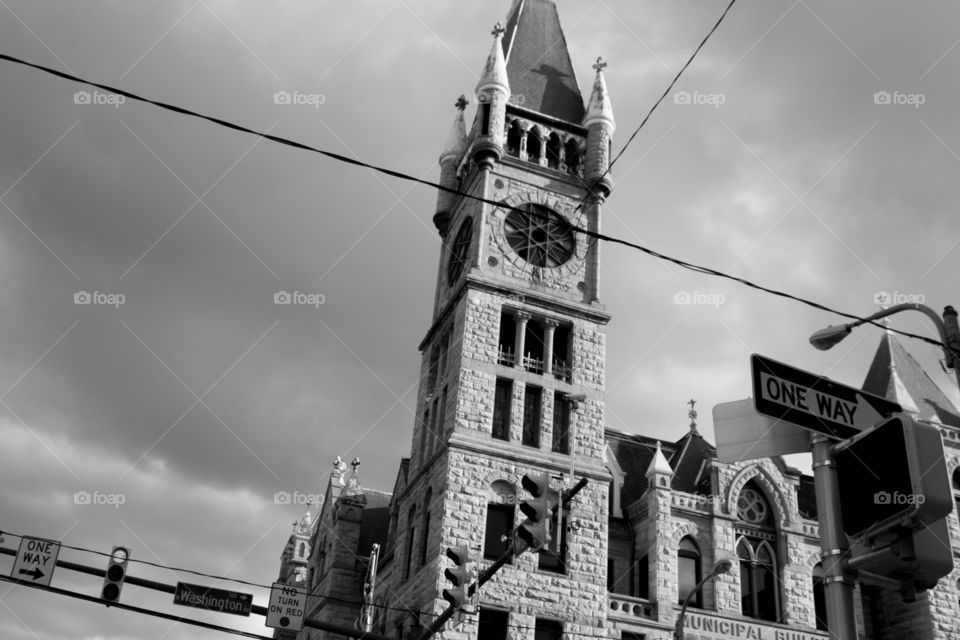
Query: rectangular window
<point>442,417</point>
<point>492,624</point>
<point>552,557</point>
<point>548,630</point>
<point>508,339</point>
<point>499,523</point>
<point>628,635</point>
<point>501,409</point>
<point>533,347</point>
<point>561,353</point>
<point>688,570</point>
<point>643,578</point>
<point>531,416</point>
<point>485,120</point>
<point>561,423</point>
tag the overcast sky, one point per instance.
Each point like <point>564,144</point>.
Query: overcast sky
<point>197,399</point>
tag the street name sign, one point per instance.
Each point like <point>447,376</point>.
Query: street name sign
<point>36,560</point>
<point>814,402</point>
<point>743,434</point>
<point>288,604</point>
<point>200,597</point>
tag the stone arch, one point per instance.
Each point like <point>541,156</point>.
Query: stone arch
<point>952,463</point>
<point>767,484</point>
<point>684,529</point>
<point>501,491</point>
<point>812,560</point>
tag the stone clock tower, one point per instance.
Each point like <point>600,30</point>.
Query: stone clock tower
<point>512,379</point>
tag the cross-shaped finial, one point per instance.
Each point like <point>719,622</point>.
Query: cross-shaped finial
<point>498,30</point>
<point>462,102</point>
<point>355,463</point>
<point>692,414</point>
<point>692,404</point>
<point>601,65</point>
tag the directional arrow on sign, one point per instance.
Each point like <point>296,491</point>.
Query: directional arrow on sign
<point>36,574</point>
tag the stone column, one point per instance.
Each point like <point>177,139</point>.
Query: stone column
<point>549,326</point>
<point>522,317</point>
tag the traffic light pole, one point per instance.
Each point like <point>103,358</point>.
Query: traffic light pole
<point>838,585</point>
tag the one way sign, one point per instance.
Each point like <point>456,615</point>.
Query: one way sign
<point>36,560</point>
<point>813,402</point>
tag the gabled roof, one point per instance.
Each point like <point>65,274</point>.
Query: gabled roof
<point>896,375</point>
<point>538,63</point>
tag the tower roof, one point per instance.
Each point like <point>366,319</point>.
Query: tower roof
<point>600,109</point>
<point>659,463</point>
<point>538,63</point>
<point>894,374</point>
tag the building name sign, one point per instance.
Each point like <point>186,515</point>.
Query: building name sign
<point>700,627</point>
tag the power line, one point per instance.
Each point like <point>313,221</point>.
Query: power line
<point>135,609</point>
<point>673,82</point>
<point>403,176</point>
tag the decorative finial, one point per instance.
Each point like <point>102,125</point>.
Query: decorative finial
<point>692,414</point>
<point>462,102</point>
<point>498,30</point>
<point>338,469</point>
<point>600,65</point>
<point>355,463</point>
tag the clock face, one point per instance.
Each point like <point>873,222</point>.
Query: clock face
<point>539,235</point>
<point>459,250</point>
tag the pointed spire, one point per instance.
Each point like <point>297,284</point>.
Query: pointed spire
<point>495,72</point>
<point>599,108</point>
<point>353,487</point>
<point>659,464</point>
<point>306,522</point>
<point>458,133</point>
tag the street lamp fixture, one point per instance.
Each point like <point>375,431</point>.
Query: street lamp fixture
<point>947,328</point>
<point>722,565</point>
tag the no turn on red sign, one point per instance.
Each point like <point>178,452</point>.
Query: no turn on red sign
<point>288,605</point>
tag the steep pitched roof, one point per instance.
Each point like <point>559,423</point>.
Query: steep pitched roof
<point>634,454</point>
<point>896,375</point>
<point>538,63</point>
<point>690,452</point>
<point>375,522</point>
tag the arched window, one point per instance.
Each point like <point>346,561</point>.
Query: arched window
<point>411,534</point>
<point>689,571</point>
<point>514,135</point>
<point>533,146</point>
<point>553,151</point>
<point>819,598</point>
<point>759,569</point>
<point>425,528</point>
<point>571,156</point>
<point>303,550</point>
<point>500,519</point>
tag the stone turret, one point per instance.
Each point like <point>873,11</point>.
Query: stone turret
<point>448,168</point>
<point>600,126</point>
<point>493,92</point>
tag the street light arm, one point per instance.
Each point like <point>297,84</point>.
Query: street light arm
<point>826,338</point>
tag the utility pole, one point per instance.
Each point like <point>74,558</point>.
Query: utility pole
<point>838,586</point>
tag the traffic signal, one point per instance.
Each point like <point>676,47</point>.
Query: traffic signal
<point>116,572</point>
<point>917,559</point>
<point>893,475</point>
<point>535,530</point>
<point>461,576</point>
